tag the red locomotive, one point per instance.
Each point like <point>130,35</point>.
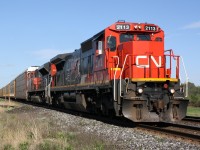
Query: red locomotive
<point>123,71</point>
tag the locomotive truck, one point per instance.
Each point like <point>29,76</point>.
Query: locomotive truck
<point>122,71</point>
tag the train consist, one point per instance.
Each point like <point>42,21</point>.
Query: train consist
<point>121,71</point>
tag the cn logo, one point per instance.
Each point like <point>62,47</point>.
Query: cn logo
<point>141,59</point>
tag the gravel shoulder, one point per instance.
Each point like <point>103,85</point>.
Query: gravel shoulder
<point>113,137</point>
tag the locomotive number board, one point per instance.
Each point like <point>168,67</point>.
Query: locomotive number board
<point>150,28</point>
<point>122,27</point>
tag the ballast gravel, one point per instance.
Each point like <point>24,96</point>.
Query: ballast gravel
<point>116,136</point>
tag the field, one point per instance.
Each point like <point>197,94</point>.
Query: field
<point>193,111</point>
<point>23,129</point>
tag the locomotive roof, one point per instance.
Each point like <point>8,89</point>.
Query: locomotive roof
<point>44,69</point>
<point>86,45</point>
<point>32,68</point>
<point>60,57</point>
<point>96,36</point>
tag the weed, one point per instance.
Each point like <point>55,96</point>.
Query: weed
<point>52,145</point>
<point>44,146</point>
<point>159,139</point>
<point>61,135</point>
<point>70,136</point>
<point>24,146</point>
<point>30,135</point>
<point>98,146</point>
<point>68,148</point>
<point>8,147</point>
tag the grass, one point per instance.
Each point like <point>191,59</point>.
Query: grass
<point>6,105</point>
<point>193,111</point>
<point>22,131</point>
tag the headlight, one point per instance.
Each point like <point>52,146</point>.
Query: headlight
<point>140,90</point>
<point>172,91</point>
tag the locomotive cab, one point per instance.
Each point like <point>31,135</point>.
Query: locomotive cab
<point>146,84</point>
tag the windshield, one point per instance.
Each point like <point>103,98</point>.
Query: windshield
<point>143,37</point>
<point>125,37</point>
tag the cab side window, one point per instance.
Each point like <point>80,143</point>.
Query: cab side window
<point>159,39</point>
<point>111,43</point>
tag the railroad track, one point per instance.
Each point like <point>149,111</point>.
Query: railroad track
<point>192,119</point>
<point>183,132</point>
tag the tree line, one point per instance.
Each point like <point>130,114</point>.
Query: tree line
<point>194,94</point>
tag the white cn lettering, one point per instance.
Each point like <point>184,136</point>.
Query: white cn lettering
<point>157,64</point>
<point>137,62</point>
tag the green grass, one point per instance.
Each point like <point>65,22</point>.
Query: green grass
<point>2,99</point>
<point>193,111</point>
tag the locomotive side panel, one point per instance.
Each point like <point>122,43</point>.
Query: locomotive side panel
<point>86,62</point>
<point>72,69</point>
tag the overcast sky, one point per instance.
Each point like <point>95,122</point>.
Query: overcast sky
<point>34,31</point>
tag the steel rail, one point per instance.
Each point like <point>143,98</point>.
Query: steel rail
<point>192,119</point>
<point>193,137</point>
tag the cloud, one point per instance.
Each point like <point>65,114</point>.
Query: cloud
<point>47,54</point>
<point>194,25</point>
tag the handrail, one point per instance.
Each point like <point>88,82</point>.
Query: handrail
<point>177,67</point>
<point>115,73</point>
<point>187,78</point>
<point>175,57</point>
<point>120,89</point>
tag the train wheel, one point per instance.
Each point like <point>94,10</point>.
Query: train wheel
<point>107,105</point>
<point>104,110</point>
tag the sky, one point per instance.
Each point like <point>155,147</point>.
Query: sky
<point>34,31</point>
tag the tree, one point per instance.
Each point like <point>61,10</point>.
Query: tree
<point>194,94</point>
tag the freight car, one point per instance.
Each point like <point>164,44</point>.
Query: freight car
<point>21,87</point>
<point>122,71</point>
<point>1,92</point>
<point>18,88</point>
